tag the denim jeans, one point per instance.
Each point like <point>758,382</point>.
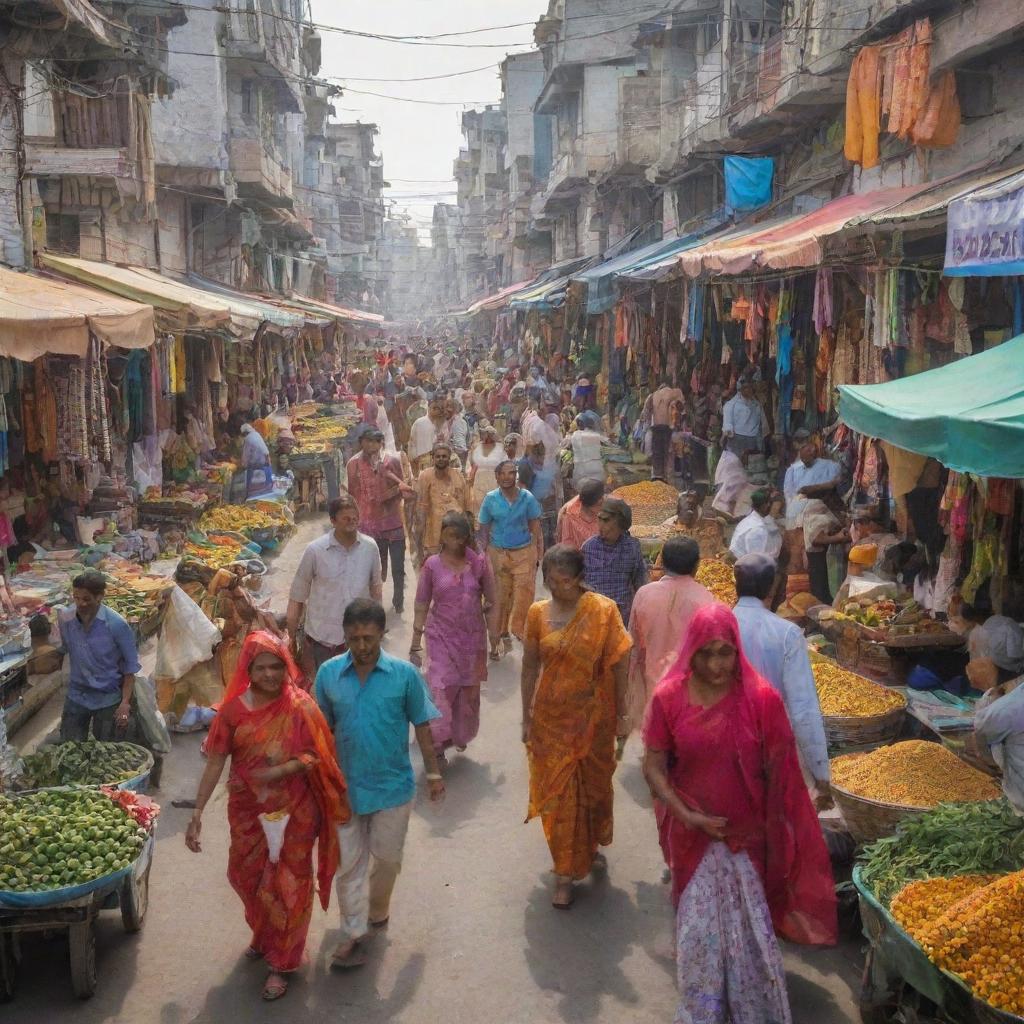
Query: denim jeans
<point>76,719</point>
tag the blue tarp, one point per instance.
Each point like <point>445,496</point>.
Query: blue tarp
<point>601,281</point>
<point>969,414</point>
<point>748,181</point>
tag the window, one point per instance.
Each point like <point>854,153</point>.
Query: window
<point>62,232</point>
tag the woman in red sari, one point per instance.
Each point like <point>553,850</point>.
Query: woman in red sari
<point>737,829</point>
<point>285,793</point>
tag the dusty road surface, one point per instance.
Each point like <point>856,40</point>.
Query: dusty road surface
<point>472,936</point>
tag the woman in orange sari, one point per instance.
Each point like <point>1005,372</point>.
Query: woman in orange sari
<point>574,708</point>
<point>286,792</point>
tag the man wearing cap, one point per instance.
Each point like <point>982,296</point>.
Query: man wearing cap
<point>778,651</point>
<point>375,480</point>
<point>757,533</point>
<point>744,424</point>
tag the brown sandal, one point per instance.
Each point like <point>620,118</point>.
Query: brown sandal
<point>355,957</point>
<point>563,897</point>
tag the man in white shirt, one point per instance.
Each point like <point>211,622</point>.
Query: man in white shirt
<point>458,430</point>
<point>758,533</point>
<point>334,570</point>
<point>808,477</point>
<point>426,431</point>
<point>778,651</point>
<point>744,424</point>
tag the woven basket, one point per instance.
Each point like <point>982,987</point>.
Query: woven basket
<point>868,820</point>
<point>860,731</point>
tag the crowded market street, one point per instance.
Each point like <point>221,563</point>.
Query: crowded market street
<point>472,928</point>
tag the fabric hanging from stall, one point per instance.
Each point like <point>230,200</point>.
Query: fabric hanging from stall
<point>824,315</point>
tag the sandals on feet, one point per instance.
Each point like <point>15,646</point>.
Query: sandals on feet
<point>355,957</point>
<point>275,987</point>
<point>252,953</point>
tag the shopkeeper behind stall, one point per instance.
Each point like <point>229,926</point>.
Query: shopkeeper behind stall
<point>999,723</point>
<point>103,662</point>
<point>860,566</point>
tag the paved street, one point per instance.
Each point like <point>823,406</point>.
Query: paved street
<point>472,937</point>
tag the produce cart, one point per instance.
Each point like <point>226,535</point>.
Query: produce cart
<point>900,983</point>
<point>73,909</point>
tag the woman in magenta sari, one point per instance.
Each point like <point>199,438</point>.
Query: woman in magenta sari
<point>737,828</point>
<point>285,793</point>
<point>455,611</point>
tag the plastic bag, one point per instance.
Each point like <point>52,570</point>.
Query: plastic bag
<point>275,824</point>
<point>187,638</point>
<point>151,725</point>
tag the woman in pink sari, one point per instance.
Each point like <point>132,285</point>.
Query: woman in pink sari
<point>456,611</point>
<point>737,829</point>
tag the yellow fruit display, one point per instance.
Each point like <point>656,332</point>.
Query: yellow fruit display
<point>914,773</point>
<point>981,938</point>
<point>718,577</point>
<point>844,694</point>
<point>918,905</point>
<point>236,518</point>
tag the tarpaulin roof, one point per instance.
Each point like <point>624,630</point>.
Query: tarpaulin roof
<point>968,414</point>
<point>601,280</point>
<point>791,243</point>
<point>265,309</point>
<point>180,306</point>
<point>40,315</point>
<point>548,293</point>
<point>495,301</point>
<point>355,316</point>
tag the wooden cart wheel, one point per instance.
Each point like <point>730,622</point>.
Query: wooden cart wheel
<point>8,967</point>
<point>134,901</point>
<point>82,948</point>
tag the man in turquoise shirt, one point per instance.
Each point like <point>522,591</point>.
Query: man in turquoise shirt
<point>510,532</point>
<point>370,699</point>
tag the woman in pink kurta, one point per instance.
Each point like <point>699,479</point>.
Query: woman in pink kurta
<point>455,612</point>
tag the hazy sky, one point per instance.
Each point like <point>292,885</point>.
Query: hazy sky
<point>420,140</point>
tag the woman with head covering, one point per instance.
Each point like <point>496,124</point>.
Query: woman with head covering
<point>574,706</point>
<point>485,457</point>
<point>737,829</point>
<point>614,561</point>
<point>585,445</point>
<point>285,793</point>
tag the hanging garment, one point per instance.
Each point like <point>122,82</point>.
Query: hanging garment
<point>863,108</point>
<point>939,122</point>
<point>823,312</point>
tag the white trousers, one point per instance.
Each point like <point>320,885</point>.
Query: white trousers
<point>364,893</point>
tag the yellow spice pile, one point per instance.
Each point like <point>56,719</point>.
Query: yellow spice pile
<point>919,905</point>
<point>845,694</point>
<point>648,493</point>
<point>981,938</point>
<point>914,773</point>
<point>718,577</point>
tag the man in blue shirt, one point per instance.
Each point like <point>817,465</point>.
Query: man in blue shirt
<point>510,533</point>
<point>103,661</point>
<point>369,699</point>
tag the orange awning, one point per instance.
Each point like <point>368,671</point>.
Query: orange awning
<point>791,243</point>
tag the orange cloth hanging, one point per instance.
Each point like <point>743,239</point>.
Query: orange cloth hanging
<point>939,123</point>
<point>863,108</point>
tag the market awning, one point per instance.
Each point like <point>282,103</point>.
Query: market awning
<point>180,306</point>
<point>41,315</point>
<point>261,308</point>
<point>601,280</point>
<point>969,415</point>
<point>791,243</point>
<point>353,316</point>
<point>985,234</point>
<point>495,301</point>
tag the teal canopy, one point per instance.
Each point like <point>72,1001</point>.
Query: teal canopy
<point>969,415</point>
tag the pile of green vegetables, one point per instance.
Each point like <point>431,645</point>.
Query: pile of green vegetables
<point>57,838</point>
<point>951,839</point>
<point>85,763</point>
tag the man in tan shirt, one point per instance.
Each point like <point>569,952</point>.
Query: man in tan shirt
<point>440,489</point>
<point>661,409</point>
